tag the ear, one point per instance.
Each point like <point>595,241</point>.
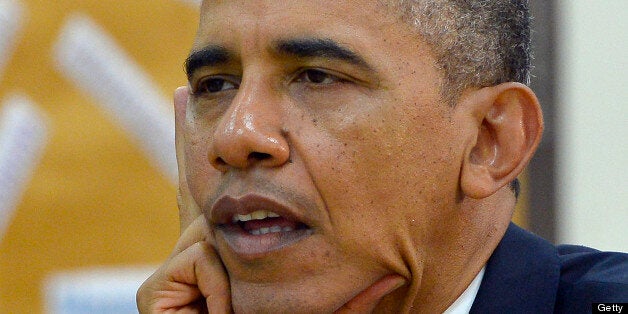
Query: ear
<point>188,210</point>
<point>506,124</point>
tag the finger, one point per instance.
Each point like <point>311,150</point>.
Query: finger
<point>188,209</point>
<point>367,300</point>
<point>199,266</point>
<point>197,231</point>
<point>194,274</point>
<point>181,96</point>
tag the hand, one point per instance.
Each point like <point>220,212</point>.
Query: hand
<point>193,279</point>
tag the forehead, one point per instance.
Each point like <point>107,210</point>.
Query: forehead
<point>392,49</point>
<point>257,21</point>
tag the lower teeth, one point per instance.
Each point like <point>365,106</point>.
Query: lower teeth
<point>273,229</point>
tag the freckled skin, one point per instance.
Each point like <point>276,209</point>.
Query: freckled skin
<point>379,155</point>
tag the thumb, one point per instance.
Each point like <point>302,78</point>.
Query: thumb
<point>367,300</point>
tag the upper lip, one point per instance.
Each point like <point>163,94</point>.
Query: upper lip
<point>227,207</point>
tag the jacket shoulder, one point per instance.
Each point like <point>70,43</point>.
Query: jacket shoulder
<point>590,276</point>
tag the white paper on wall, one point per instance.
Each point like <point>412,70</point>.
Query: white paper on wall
<point>94,291</point>
<point>10,22</point>
<point>23,135</point>
<point>87,55</point>
<point>195,3</point>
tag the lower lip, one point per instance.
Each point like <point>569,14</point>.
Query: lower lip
<point>251,246</point>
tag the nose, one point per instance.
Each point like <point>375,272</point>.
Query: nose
<point>250,132</point>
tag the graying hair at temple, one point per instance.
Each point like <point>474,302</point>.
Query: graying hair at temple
<point>476,42</point>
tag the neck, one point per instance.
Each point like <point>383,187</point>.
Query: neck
<point>462,244</point>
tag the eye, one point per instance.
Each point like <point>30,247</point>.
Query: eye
<point>317,77</point>
<point>215,85</point>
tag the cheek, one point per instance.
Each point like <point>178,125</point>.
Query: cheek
<point>384,174</point>
<point>199,172</point>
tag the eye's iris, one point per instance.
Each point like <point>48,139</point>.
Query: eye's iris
<point>214,85</point>
<point>318,77</point>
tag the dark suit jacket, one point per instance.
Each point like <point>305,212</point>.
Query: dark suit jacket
<point>527,274</point>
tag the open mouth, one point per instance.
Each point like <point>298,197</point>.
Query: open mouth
<point>262,222</point>
<point>253,225</point>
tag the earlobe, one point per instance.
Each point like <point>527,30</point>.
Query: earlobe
<point>507,130</point>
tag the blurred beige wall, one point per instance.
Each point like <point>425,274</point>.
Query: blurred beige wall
<point>95,198</point>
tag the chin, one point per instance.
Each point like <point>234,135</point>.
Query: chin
<point>276,298</point>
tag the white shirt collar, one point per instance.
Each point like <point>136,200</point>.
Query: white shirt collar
<point>463,304</point>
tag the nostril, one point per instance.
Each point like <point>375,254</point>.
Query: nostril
<point>259,156</point>
<point>219,162</point>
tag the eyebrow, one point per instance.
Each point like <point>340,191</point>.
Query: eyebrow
<point>319,48</point>
<point>212,55</point>
<point>215,55</point>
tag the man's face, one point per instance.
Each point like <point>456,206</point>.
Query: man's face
<point>328,114</point>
